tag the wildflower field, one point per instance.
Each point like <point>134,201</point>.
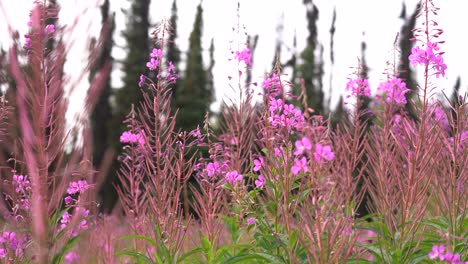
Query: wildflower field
<point>274,182</point>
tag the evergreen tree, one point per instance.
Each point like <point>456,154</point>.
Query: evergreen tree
<point>173,52</point>
<point>309,69</point>
<point>138,50</point>
<point>404,71</point>
<point>193,97</point>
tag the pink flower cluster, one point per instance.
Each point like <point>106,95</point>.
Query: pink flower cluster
<point>10,243</point>
<point>429,58</point>
<point>394,91</point>
<point>322,152</point>
<point>233,177</point>
<point>214,169</point>
<point>358,87</point>
<point>438,252</point>
<point>129,137</point>
<point>155,56</point>
<point>22,187</point>
<point>284,115</point>
<point>245,55</point>
<point>82,225</point>
<point>171,75</point>
<point>78,187</point>
<point>272,85</point>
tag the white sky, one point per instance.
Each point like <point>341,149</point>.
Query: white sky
<point>378,19</point>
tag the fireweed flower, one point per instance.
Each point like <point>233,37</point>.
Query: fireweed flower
<point>258,163</point>
<point>437,252</point>
<point>394,91</point>
<point>66,218</point>
<point>358,87</point>
<point>129,137</point>
<point>299,165</point>
<point>21,183</point>
<point>78,186</point>
<point>71,257</point>
<point>50,29</point>
<point>245,55</point>
<point>212,169</point>
<point>272,85</point>
<point>323,152</point>
<point>233,177</point>
<point>302,145</point>
<point>250,221</point>
<point>152,64</point>
<point>142,80</point>
<point>171,75</point>
<point>429,58</point>
<point>260,182</point>
<point>156,53</point>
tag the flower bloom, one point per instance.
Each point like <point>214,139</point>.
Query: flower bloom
<point>250,221</point>
<point>129,137</point>
<point>299,165</point>
<point>323,152</point>
<point>21,183</point>
<point>358,87</point>
<point>71,257</point>
<point>437,252</point>
<point>260,182</point>
<point>156,53</point>
<point>428,57</point>
<point>152,64</point>
<point>50,29</point>
<point>272,85</point>
<point>171,75</point>
<point>142,80</point>
<point>302,145</point>
<point>78,186</point>
<point>258,163</point>
<point>233,177</point>
<point>245,55</point>
<point>394,91</point>
<point>213,168</point>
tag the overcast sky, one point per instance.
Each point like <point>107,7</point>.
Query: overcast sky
<point>379,20</point>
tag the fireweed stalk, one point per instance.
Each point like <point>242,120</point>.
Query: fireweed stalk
<point>156,162</point>
<point>41,111</point>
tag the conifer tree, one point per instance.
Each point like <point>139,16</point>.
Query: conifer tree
<point>308,70</point>
<point>137,39</point>
<point>193,97</point>
<point>136,36</point>
<point>173,51</point>
<point>405,44</point>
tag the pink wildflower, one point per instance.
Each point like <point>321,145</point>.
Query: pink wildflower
<point>302,145</point>
<point>428,57</point>
<point>50,29</point>
<point>245,55</point>
<point>358,87</point>
<point>152,64</point>
<point>258,163</point>
<point>299,165</point>
<point>394,90</point>
<point>250,221</point>
<point>142,80</point>
<point>437,252</point>
<point>233,177</point>
<point>78,186</point>
<point>156,53</point>
<point>323,152</point>
<point>71,257</point>
<point>260,182</point>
